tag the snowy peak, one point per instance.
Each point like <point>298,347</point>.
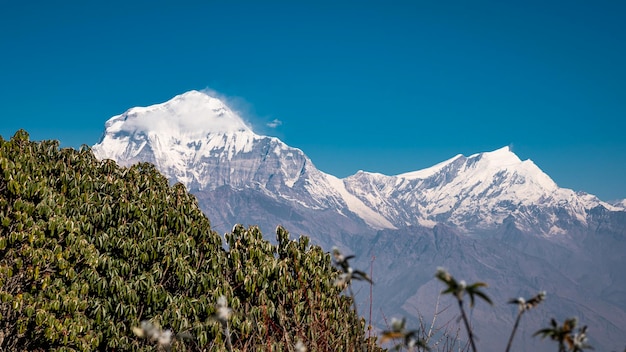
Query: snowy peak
<point>473,193</point>
<point>197,140</point>
<point>480,168</point>
<point>192,114</point>
<point>171,134</point>
<point>177,136</point>
<point>502,168</point>
<point>499,158</point>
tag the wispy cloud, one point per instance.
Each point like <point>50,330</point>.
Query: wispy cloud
<point>274,123</point>
<point>237,104</point>
<point>245,110</point>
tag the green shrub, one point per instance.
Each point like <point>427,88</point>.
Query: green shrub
<point>89,249</point>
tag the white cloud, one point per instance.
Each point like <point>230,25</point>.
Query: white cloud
<point>274,123</point>
<point>239,106</point>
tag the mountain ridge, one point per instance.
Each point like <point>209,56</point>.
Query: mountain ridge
<point>210,146</point>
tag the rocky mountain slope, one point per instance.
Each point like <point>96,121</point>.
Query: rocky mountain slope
<point>488,216</point>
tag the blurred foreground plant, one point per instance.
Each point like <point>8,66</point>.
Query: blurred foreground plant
<point>565,335</point>
<point>348,273</point>
<point>523,305</point>
<point>222,315</point>
<point>458,289</point>
<point>162,338</point>
<point>409,338</point>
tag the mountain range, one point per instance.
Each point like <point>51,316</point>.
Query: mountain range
<point>488,216</point>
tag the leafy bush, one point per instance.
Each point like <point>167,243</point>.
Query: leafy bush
<point>88,250</point>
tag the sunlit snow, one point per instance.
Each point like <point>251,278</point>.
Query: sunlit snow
<point>355,205</point>
<point>197,140</point>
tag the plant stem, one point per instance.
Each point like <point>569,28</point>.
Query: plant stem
<point>470,334</point>
<point>229,345</point>
<point>519,316</point>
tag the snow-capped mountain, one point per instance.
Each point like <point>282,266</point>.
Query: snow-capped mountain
<point>489,217</point>
<point>475,193</point>
<point>197,140</point>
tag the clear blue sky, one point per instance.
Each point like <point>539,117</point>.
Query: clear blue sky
<point>385,86</point>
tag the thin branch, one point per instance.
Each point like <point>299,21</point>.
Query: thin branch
<point>467,326</point>
<point>510,343</point>
<point>432,324</point>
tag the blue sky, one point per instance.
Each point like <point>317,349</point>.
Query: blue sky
<point>387,87</point>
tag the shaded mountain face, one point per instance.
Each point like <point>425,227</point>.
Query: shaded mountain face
<point>489,216</point>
